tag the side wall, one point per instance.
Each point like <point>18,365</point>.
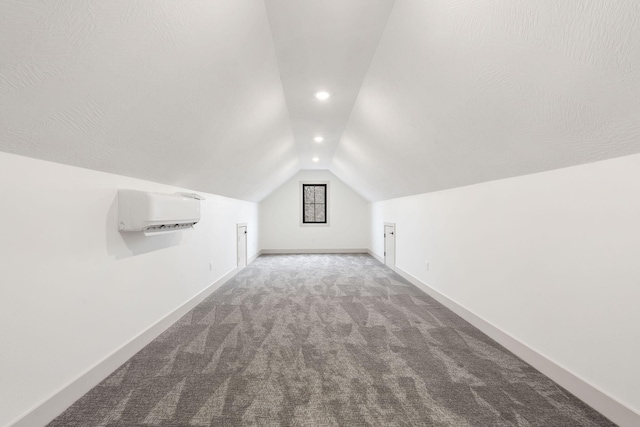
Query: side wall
<point>280,217</point>
<point>74,290</point>
<point>550,259</point>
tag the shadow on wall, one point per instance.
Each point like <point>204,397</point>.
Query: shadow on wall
<point>128,244</point>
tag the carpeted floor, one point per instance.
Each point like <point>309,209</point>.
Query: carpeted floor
<point>325,340</point>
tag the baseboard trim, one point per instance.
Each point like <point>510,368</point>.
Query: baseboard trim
<point>376,256</point>
<point>314,251</point>
<point>607,405</point>
<point>253,258</point>
<point>54,405</point>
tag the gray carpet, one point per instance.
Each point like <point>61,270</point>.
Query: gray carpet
<point>325,340</point>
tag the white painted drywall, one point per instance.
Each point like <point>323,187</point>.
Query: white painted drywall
<point>73,289</point>
<point>182,93</point>
<point>466,91</point>
<point>280,217</point>
<point>551,259</point>
<point>323,45</point>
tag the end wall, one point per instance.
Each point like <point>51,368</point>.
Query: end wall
<point>74,290</point>
<point>550,259</point>
<point>280,217</point>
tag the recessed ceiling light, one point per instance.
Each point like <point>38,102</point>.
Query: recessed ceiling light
<point>315,159</point>
<point>322,95</point>
<point>318,139</point>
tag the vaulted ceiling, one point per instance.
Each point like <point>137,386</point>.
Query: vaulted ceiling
<point>218,96</point>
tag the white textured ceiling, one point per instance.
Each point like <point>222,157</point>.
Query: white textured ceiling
<point>324,45</point>
<point>179,92</point>
<point>467,91</point>
<point>217,96</point>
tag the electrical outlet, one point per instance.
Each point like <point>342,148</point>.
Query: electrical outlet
<point>210,265</point>
<point>427,262</point>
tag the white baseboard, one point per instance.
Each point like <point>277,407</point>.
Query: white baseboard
<point>607,405</point>
<point>253,258</point>
<point>376,256</point>
<point>314,251</point>
<point>67,395</point>
<point>53,406</point>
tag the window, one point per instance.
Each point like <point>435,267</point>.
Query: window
<point>314,204</point>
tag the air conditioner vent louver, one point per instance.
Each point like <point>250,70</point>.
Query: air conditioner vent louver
<point>156,213</point>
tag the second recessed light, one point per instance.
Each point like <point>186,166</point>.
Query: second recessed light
<point>318,139</point>
<point>315,159</point>
<point>322,95</point>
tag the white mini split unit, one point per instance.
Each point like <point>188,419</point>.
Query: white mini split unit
<point>156,213</point>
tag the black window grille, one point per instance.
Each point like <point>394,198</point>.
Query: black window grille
<point>314,203</point>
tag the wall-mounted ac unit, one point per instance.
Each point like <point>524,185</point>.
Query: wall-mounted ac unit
<point>154,213</point>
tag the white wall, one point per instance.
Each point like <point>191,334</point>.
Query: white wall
<point>549,258</point>
<point>280,217</point>
<point>73,289</point>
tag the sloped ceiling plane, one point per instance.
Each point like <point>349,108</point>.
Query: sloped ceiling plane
<point>219,96</point>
